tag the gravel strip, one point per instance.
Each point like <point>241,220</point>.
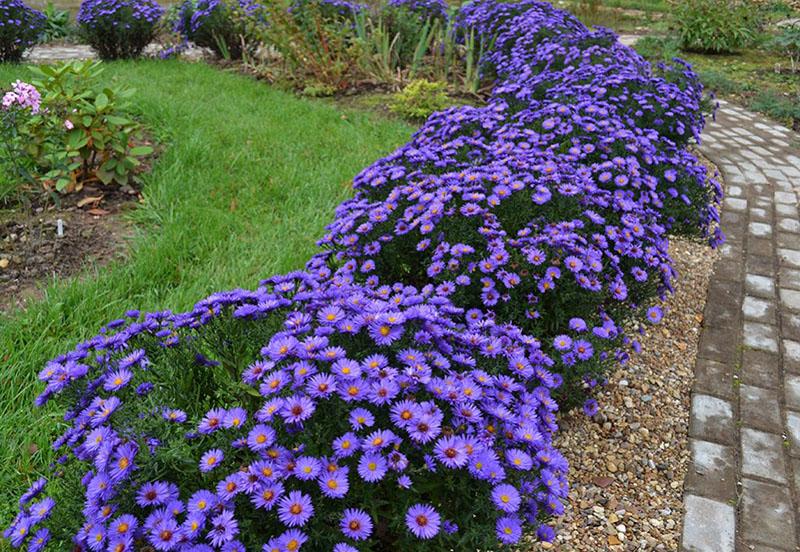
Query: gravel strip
<point>628,463</point>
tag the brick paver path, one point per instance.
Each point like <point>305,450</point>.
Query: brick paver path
<point>742,492</point>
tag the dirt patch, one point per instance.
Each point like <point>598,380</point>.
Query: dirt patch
<point>94,231</point>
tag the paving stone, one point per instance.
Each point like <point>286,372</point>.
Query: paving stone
<point>762,455</point>
<point>790,325</point>
<point>785,197</point>
<point>709,525</point>
<point>712,419</point>
<point>759,336</point>
<point>793,430</point>
<point>790,299</point>
<point>760,310</point>
<point>762,286</point>
<point>759,408</point>
<point>712,473</point>
<point>761,247</point>
<point>713,378</point>
<point>790,257</point>
<point>789,225</point>
<point>786,210</point>
<point>789,278</point>
<point>761,369</point>
<point>791,354</point>
<point>716,344</point>
<point>735,204</point>
<point>760,264</point>
<point>767,514</point>
<point>791,386</point>
<point>759,229</point>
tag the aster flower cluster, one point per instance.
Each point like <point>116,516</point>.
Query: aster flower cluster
<point>368,417</point>
<point>216,23</point>
<point>22,96</point>
<point>20,28</point>
<point>118,29</point>
<point>422,10</point>
<point>550,207</point>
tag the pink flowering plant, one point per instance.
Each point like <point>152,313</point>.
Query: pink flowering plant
<point>71,128</point>
<point>17,108</point>
<point>302,412</point>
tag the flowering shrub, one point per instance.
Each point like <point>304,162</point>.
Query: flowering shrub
<point>20,27</point>
<point>225,26</point>
<point>364,414</point>
<point>367,418</point>
<point>119,28</point>
<point>81,133</point>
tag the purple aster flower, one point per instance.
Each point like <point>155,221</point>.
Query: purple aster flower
<point>295,509</point>
<point>224,528</point>
<point>562,343</point>
<point>423,521</point>
<point>261,437</point>
<point>451,451</point>
<point>590,407</point>
<point>211,459</point>
<point>508,529</point>
<point>117,380</point>
<point>506,498</point>
<point>356,524</point>
<point>372,467</point>
<point>654,315</point>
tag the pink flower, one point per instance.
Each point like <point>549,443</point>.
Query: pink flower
<point>68,125</point>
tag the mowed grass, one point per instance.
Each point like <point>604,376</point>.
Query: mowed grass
<point>249,178</point>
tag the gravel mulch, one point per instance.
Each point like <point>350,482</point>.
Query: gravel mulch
<point>628,463</point>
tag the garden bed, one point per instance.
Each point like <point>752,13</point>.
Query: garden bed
<point>94,232</point>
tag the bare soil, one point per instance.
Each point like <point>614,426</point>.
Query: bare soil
<point>32,254</point>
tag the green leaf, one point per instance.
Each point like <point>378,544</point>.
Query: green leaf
<point>140,151</point>
<point>101,101</point>
<point>116,120</point>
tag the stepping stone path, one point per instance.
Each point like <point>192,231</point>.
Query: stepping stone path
<point>742,491</point>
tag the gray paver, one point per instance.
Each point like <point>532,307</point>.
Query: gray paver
<point>762,455</point>
<point>710,525</point>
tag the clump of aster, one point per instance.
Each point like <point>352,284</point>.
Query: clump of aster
<point>20,28</point>
<point>346,397</point>
<point>118,29</point>
<point>227,27</point>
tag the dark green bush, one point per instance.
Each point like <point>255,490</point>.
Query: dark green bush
<point>716,26</point>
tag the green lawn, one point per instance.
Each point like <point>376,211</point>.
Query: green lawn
<point>248,180</point>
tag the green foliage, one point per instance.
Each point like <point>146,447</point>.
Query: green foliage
<point>788,43</point>
<point>316,51</point>
<point>657,48</point>
<point>716,26</point>
<point>57,24</point>
<point>783,107</point>
<point>720,83</point>
<point>84,134</point>
<point>419,99</point>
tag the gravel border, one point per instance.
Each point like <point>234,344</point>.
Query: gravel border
<point>628,463</point>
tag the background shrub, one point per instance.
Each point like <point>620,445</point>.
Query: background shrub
<point>20,28</point>
<point>716,26</point>
<point>118,29</point>
<point>228,27</point>
<point>420,99</point>
<point>57,24</point>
